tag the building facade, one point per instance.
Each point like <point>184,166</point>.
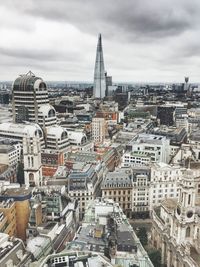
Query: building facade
<point>32,162</point>
<point>28,95</point>
<point>176,225</point>
<point>98,130</point>
<point>118,186</point>
<point>15,210</point>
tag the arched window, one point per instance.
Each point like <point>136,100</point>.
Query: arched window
<point>188,231</point>
<point>64,135</point>
<point>51,113</point>
<point>31,179</point>
<point>38,133</point>
<point>29,162</point>
<point>42,86</point>
<point>83,140</point>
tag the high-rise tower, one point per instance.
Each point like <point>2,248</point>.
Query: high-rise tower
<point>186,85</point>
<point>30,101</point>
<point>99,72</point>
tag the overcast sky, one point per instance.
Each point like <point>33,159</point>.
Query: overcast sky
<point>143,40</point>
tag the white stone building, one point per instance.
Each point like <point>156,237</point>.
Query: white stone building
<point>136,158</point>
<point>17,131</point>
<point>57,138</point>
<point>79,141</point>
<point>164,183</point>
<point>158,147</point>
<point>32,162</point>
<point>140,193</point>
<point>47,116</point>
<point>176,225</point>
<point>10,154</point>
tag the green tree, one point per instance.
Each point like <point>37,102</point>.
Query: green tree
<point>142,235</point>
<point>155,257</point>
<point>20,173</point>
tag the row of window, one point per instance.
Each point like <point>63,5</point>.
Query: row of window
<point>128,192</point>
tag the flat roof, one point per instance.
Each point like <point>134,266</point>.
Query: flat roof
<point>16,191</point>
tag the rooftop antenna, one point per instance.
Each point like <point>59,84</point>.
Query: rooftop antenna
<point>30,73</point>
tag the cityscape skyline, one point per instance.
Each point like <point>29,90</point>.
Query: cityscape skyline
<point>151,40</point>
<point>99,133</point>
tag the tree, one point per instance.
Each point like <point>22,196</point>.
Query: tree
<point>155,257</point>
<point>20,173</point>
<point>142,235</point>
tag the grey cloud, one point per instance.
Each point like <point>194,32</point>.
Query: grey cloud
<point>138,35</point>
<point>39,55</point>
<point>132,18</point>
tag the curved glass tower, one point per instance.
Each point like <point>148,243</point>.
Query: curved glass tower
<point>29,93</point>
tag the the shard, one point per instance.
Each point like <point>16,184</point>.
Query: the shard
<point>99,72</point>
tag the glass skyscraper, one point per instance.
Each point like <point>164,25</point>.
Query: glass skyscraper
<point>99,72</point>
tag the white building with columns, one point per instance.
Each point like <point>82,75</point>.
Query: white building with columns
<point>164,183</point>
<point>176,225</point>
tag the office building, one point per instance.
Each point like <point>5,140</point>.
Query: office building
<point>17,131</point>
<point>165,115</point>
<point>158,147</point>
<point>10,154</point>
<point>15,208</point>
<point>29,93</point>
<point>98,130</point>
<point>84,184</point>
<point>118,186</point>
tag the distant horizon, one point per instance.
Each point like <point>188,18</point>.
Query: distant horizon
<point>114,82</point>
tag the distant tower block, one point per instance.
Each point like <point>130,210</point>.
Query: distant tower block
<point>99,72</point>
<point>186,79</point>
<point>32,161</point>
<point>186,84</point>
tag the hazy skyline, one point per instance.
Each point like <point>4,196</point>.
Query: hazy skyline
<point>142,40</point>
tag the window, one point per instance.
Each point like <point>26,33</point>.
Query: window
<point>32,162</point>
<point>187,232</point>
<point>189,199</point>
